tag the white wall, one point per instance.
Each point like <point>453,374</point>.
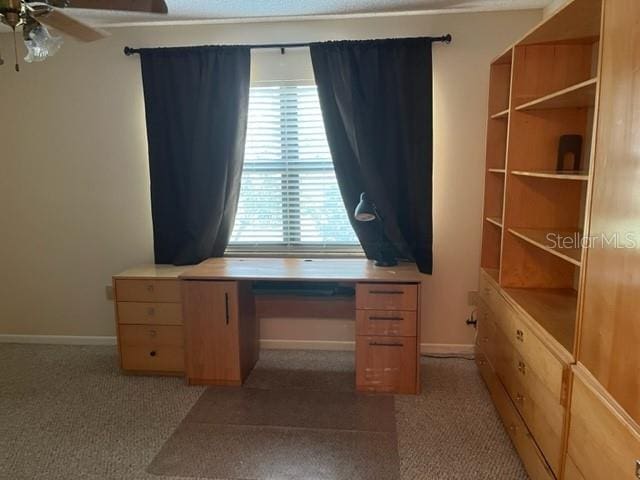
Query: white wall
<point>552,7</point>
<point>74,184</point>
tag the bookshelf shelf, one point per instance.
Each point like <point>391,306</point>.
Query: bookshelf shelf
<point>581,95</point>
<point>555,175</point>
<point>551,241</point>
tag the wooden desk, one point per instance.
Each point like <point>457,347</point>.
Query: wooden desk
<point>216,331</point>
<point>221,329</point>
<point>318,269</point>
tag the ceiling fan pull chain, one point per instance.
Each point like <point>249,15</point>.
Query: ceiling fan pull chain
<point>15,49</point>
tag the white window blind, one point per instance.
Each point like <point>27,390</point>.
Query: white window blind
<point>289,197</point>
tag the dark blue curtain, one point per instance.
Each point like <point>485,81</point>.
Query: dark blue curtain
<point>376,99</point>
<point>196,102</point>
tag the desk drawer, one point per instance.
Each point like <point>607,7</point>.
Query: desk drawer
<point>152,359</point>
<point>139,290</point>
<point>386,364</point>
<point>386,322</point>
<point>137,313</point>
<point>386,296</point>
<point>151,336</point>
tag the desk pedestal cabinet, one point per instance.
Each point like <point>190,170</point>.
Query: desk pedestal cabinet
<point>386,338</point>
<point>221,331</point>
<point>148,307</point>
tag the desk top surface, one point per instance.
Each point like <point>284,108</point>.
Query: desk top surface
<point>319,269</point>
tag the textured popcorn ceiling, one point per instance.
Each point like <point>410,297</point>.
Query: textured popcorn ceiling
<point>225,10</point>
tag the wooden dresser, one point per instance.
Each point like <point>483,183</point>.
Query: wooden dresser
<point>558,325</point>
<point>148,305</point>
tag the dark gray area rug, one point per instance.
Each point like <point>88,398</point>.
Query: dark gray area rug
<point>251,433</point>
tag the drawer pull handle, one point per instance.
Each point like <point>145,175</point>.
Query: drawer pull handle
<point>485,339</point>
<point>520,335</point>
<point>386,292</point>
<point>638,469</point>
<point>226,307</point>
<point>151,311</point>
<point>522,368</point>
<point>481,362</point>
<point>520,399</point>
<point>386,318</point>
<point>512,428</point>
<point>153,333</point>
<point>150,288</point>
<point>152,353</point>
<point>385,344</point>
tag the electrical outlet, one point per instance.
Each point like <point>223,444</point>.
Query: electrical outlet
<point>472,298</point>
<point>108,290</point>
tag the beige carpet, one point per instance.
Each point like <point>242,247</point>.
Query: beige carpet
<point>67,413</point>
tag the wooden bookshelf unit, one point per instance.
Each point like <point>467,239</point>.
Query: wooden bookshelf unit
<point>535,218</point>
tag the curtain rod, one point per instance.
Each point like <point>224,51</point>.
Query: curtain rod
<point>128,51</point>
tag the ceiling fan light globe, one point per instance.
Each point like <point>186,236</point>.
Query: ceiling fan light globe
<point>41,44</point>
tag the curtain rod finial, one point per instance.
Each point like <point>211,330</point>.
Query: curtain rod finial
<point>128,51</point>
<point>447,38</point>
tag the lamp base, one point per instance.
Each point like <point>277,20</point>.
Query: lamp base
<point>386,262</point>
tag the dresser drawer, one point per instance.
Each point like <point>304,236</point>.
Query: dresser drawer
<point>602,444</point>
<point>503,356</point>
<point>386,364</point>
<point>386,296</point>
<point>484,367</point>
<point>137,313</point>
<point>140,290</point>
<point>530,455</point>
<point>538,359</point>
<point>503,313</point>
<point>540,409</point>
<point>386,322</point>
<point>151,336</point>
<point>486,334</point>
<point>152,359</point>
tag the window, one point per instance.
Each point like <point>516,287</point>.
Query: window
<point>289,199</point>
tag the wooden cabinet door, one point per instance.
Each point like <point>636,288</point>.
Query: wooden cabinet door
<point>603,443</point>
<point>610,329</point>
<point>210,310</point>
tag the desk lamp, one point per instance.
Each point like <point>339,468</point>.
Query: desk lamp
<point>366,211</point>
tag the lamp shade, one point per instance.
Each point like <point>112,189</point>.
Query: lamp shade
<point>365,211</point>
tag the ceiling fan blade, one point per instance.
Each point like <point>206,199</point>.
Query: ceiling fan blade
<point>70,26</point>
<point>150,6</point>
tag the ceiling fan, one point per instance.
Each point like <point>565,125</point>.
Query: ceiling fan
<point>35,16</point>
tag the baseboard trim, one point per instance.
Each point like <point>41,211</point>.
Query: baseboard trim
<point>347,346</point>
<point>57,339</point>
<point>444,349</point>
